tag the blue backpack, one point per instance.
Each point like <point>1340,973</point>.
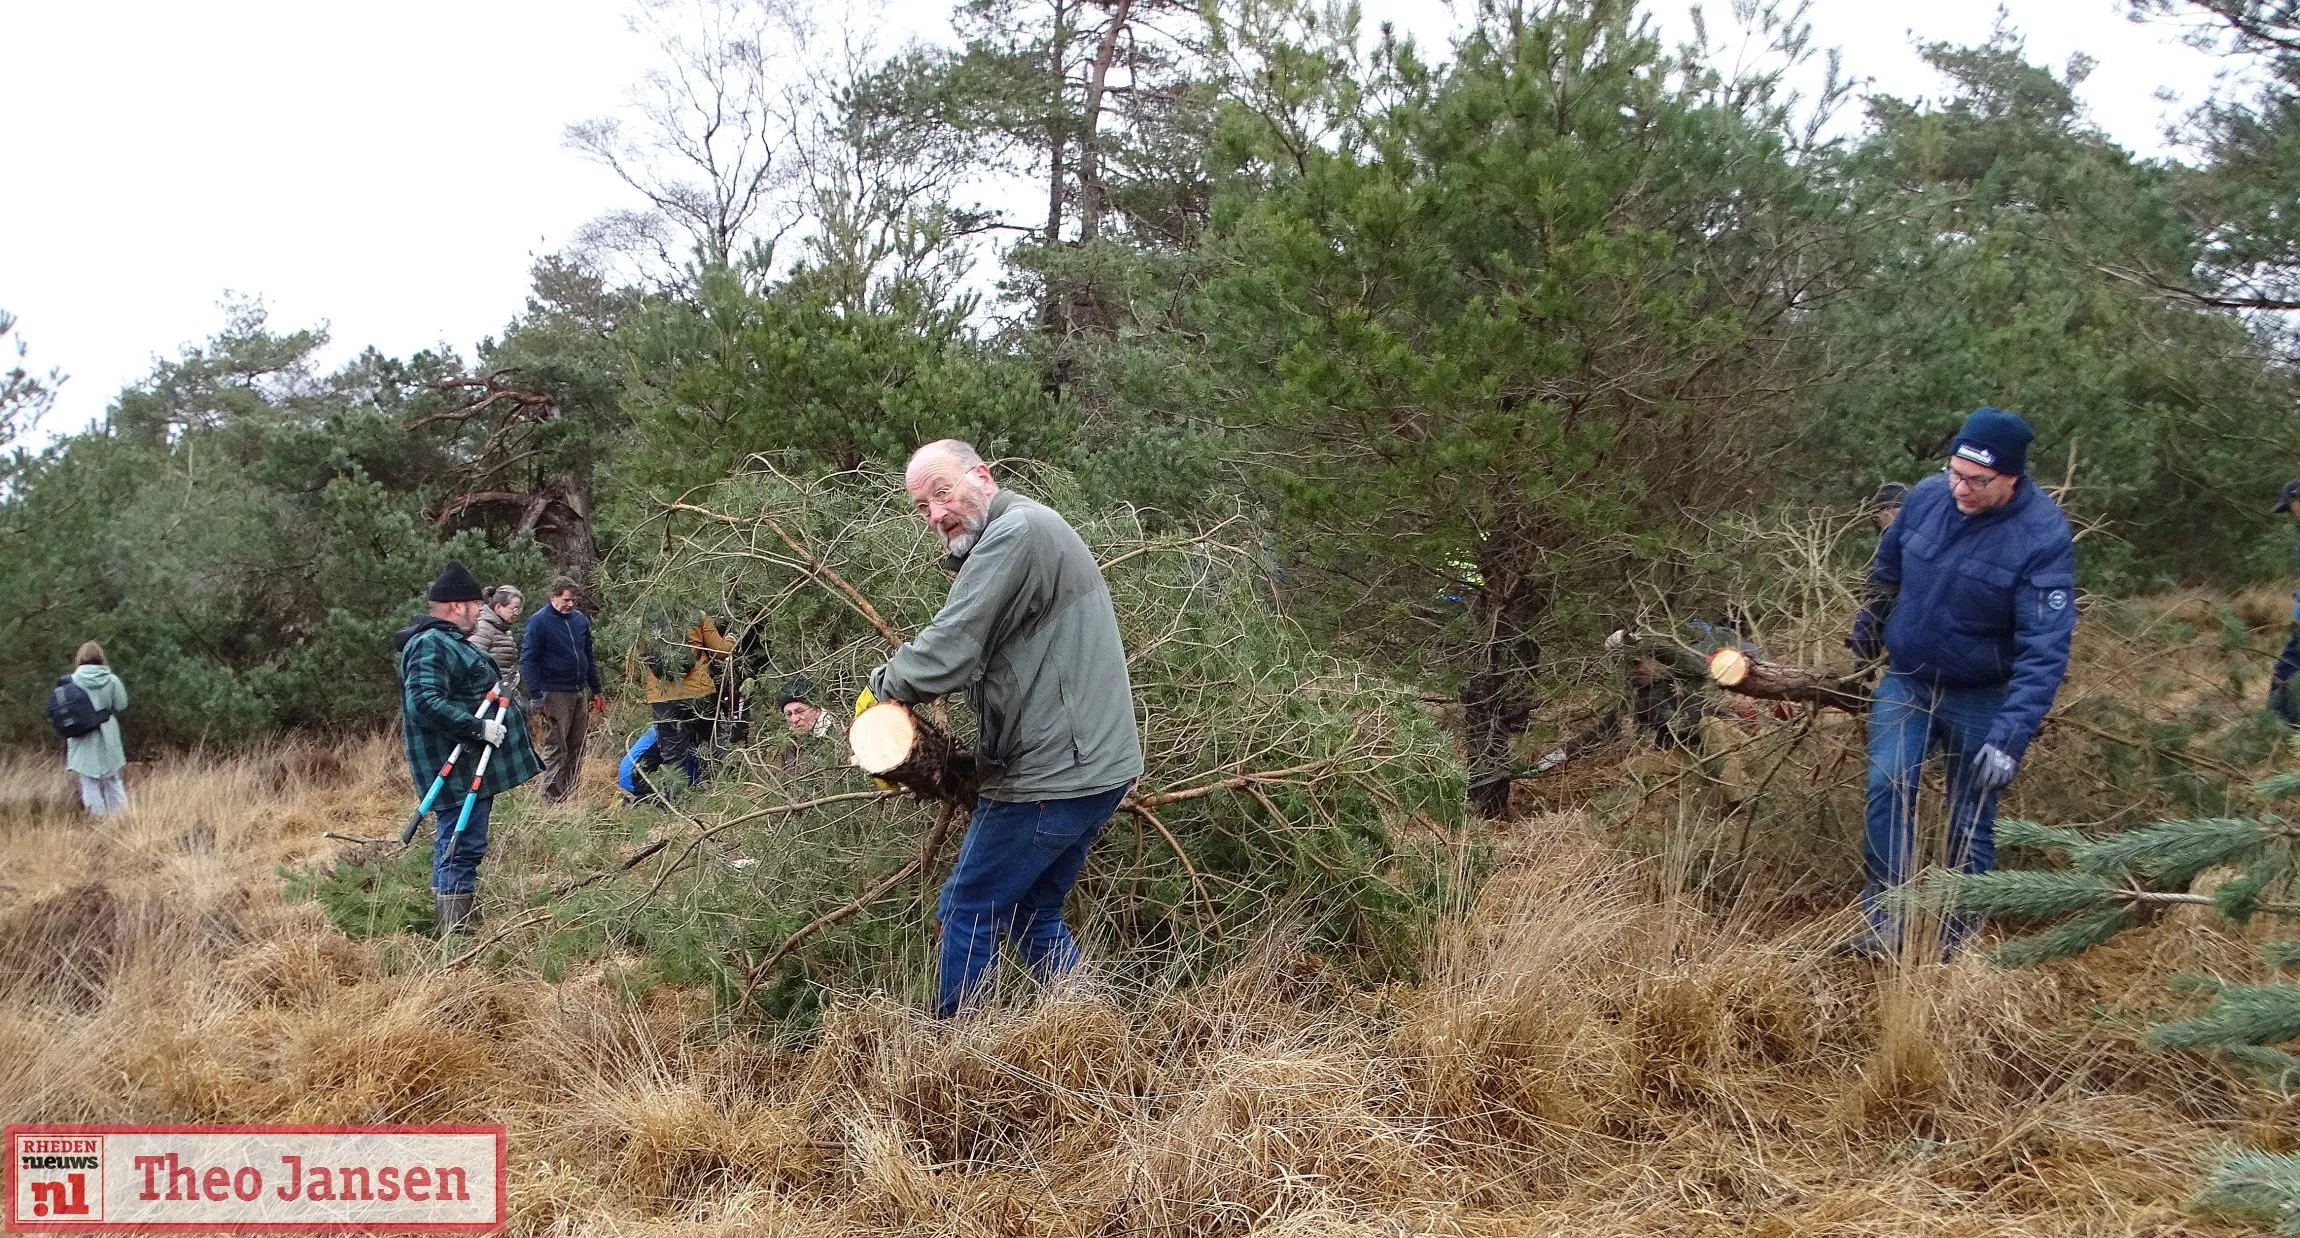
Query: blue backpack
<point>72,712</point>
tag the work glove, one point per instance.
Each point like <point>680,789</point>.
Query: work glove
<point>598,703</point>
<point>1993,768</point>
<point>492,732</point>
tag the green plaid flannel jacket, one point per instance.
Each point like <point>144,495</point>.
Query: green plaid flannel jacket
<point>442,680</point>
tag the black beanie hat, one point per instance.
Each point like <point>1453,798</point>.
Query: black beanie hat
<point>1996,439</point>
<point>455,584</point>
<point>798,688</point>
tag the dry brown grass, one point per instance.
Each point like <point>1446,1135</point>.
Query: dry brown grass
<point>1591,1052</point>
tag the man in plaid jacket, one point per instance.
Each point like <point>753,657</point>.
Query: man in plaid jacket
<point>443,680</point>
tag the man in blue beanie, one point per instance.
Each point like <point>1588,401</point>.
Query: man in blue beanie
<point>1972,601</point>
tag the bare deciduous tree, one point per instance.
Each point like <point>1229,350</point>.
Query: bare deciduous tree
<point>712,125</point>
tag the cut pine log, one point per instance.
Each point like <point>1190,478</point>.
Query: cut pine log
<point>897,746</point>
<point>1671,655</point>
<point>1736,671</point>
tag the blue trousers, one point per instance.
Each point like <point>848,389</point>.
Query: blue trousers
<point>2283,693</point>
<point>459,875</point>
<point>648,754</point>
<point>1910,719</point>
<point>1017,865</point>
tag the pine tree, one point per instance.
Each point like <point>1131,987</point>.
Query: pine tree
<point>2114,882</point>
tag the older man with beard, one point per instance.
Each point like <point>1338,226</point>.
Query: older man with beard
<point>1030,630</point>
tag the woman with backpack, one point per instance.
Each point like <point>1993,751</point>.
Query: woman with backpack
<point>85,708</point>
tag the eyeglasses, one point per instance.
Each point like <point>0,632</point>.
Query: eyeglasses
<point>1964,481</point>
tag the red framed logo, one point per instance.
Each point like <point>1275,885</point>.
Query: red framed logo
<point>150,1179</point>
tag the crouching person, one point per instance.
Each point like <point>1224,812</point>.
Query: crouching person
<point>646,757</point>
<point>444,682</point>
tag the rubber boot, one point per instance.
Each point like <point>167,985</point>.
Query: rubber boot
<point>453,912</point>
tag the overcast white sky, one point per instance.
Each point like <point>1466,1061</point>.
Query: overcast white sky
<point>391,170</point>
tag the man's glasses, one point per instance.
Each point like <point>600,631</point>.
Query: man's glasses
<point>1964,481</point>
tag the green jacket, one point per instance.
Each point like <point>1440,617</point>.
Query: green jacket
<point>99,753</point>
<point>442,680</point>
<point>1029,628</point>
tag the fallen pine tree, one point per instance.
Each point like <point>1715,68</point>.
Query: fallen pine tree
<point>1284,789</point>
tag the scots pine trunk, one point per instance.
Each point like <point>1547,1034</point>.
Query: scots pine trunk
<point>1498,698</point>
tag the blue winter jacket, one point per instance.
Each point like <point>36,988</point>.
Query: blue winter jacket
<point>557,654</point>
<point>1972,601</point>
<point>2296,563</point>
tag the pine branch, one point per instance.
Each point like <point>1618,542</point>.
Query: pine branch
<point>2240,1014</point>
<point>2069,937</point>
<point>2259,1186</point>
<point>2177,852</point>
<point>2027,894</point>
<point>2243,898</point>
<point>2274,1068</point>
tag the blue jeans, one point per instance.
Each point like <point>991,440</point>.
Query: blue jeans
<point>2283,693</point>
<point>461,874</point>
<point>1910,719</point>
<point>1017,865</point>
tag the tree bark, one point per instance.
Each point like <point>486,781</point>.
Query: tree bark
<point>896,744</point>
<point>1056,140</point>
<point>1092,200</point>
<point>1498,699</point>
<point>1735,671</point>
<point>1773,681</point>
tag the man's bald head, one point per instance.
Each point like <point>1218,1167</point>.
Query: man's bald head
<point>951,489</point>
<point>959,454</point>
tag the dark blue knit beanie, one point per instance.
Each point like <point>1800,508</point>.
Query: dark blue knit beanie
<point>1995,439</point>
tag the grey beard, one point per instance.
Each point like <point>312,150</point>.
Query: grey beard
<point>962,543</point>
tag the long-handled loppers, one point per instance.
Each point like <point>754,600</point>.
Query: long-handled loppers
<point>478,775</point>
<point>495,697</point>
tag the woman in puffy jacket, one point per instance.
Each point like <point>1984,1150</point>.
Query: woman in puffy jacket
<point>99,756</point>
<point>498,619</point>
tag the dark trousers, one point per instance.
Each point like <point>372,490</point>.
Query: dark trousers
<point>1015,868</point>
<point>2283,694</point>
<point>565,725</point>
<point>459,873</point>
<point>679,733</point>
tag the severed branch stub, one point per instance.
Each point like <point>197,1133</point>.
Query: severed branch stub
<point>897,745</point>
<point>1736,671</point>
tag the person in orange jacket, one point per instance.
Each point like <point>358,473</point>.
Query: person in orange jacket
<point>678,673</point>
